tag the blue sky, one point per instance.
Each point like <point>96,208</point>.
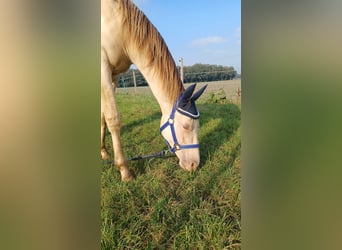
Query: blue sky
<point>202,31</point>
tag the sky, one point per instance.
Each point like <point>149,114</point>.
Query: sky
<point>201,31</point>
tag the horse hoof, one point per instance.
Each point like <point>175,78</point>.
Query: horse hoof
<point>105,155</point>
<point>126,175</point>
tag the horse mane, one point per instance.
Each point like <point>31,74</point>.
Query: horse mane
<point>141,32</point>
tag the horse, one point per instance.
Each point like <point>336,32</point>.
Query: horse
<point>128,37</point>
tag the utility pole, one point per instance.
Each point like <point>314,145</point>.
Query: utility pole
<point>135,83</point>
<point>181,69</point>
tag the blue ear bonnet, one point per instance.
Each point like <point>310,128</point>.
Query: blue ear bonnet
<point>188,109</point>
<point>186,102</point>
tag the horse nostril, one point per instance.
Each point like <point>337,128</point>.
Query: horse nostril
<point>189,166</point>
<point>193,165</point>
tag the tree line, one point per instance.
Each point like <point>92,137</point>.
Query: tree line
<point>207,73</point>
<point>195,73</point>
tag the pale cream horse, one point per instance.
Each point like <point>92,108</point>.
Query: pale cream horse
<point>127,37</point>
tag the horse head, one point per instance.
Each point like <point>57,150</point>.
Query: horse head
<point>180,131</point>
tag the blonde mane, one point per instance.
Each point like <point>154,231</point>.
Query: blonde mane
<point>140,32</point>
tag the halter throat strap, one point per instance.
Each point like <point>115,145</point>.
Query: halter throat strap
<point>170,123</point>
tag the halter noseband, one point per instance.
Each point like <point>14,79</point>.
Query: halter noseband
<point>170,122</point>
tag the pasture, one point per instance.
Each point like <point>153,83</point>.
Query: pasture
<point>165,207</point>
<point>230,87</point>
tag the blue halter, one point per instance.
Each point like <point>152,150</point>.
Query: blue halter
<point>170,122</point>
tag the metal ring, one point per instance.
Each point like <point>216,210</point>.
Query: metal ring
<point>177,146</point>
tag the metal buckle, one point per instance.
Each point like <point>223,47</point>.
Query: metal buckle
<point>177,146</point>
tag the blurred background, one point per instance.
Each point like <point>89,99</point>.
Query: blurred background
<point>50,110</point>
<point>291,122</point>
<point>49,137</point>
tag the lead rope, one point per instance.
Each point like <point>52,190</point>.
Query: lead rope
<point>163,153</point>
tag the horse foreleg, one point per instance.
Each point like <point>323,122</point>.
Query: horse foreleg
<point>112,118</point>
<point>104,153</point>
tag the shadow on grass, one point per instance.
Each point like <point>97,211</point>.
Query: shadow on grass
<point>131,142</point>
<point>227,117</point>
<point>144,120</point>
<point>147,140</point>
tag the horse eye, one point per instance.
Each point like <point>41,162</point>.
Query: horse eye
<point>187,126</point>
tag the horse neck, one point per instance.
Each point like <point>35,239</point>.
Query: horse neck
<point>158,85</point>
<point>145,47</point>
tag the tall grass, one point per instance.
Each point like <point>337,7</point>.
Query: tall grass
<point>165,207</point>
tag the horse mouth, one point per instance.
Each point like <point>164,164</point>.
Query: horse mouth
<point>189,165</point>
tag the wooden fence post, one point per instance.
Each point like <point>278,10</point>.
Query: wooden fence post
<point>238,93</point>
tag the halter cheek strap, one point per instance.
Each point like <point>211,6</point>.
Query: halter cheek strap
<point>170,122</point>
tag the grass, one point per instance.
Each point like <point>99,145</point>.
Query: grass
<point>165,207</point>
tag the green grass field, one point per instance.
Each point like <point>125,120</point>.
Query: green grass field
<point>165,207</point>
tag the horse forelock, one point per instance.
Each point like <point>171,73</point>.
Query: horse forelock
<point>141,33</point>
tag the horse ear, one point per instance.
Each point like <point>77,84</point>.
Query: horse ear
<point>198,93</point>
<point>188,93</point>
